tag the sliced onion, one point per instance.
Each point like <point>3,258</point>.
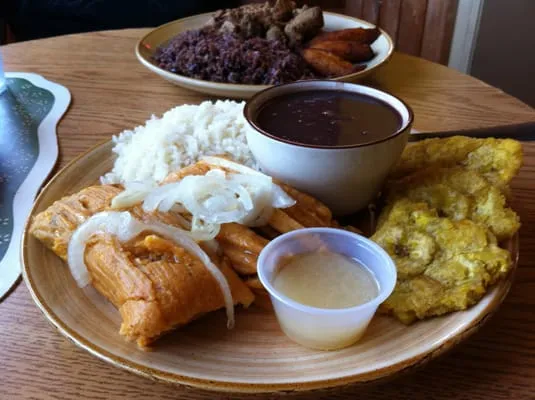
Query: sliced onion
<point>260,189</point>
<point>234,166</point>
<point>281,199</point>
<point>155,198</point>
<point>125,227</point>
<point>134,193</point>
<point>202,231</point>
<point>218,197</point>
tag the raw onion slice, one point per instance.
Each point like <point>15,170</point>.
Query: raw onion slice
<point>218,198</point>
<point>156,198</point>
<point>213,198</point>
<point>203,232</point>
<point>125,227</point>
<point>134,193</point>
<point>280,198</point>
<point>234,166</point>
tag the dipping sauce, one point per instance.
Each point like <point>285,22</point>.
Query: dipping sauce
<point>326,280</point>
<point>328,118</point>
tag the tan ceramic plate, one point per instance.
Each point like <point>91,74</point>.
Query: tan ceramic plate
<point>146,47</point>
<point>255,357</point>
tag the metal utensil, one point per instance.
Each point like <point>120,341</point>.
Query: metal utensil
<point>524,132</point>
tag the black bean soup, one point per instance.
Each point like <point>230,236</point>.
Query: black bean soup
<point>328,118</point>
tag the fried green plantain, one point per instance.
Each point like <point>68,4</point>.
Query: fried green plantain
<point>443,265</point>
<point>497,160</point>
<point>458,193</point>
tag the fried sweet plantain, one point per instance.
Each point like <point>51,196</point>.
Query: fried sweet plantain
<point>349,51</point>
<point>355,35</point>
<point>327,63</point>
<point>443,265</point>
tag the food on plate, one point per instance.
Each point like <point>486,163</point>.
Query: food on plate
<point>129,259</point>
<point>263,19</point>
<point>458,193</point>
<point>328,118</point>
<point>331,53</point>
<point>240,243</point>
<point>354,35</point>
<point>328,64</point>
<point>307,210</point>
<point>497,160</point>
<point>325,285</point>
<point>442,222</point>
<point>443,265</point>
<point>266,44</point>
<point>55,225</point>
<point>306,24</point>
<point>224,57</point>
<point>155,284</point>
<point>175,230</point>
<point>347,51</point>
<point>342,281</point>
<point>166,254</point>
<point>180,138</point>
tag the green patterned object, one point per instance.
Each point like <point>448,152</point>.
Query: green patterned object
<point>22,108</point>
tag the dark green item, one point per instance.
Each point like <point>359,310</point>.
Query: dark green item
<point>22,108</point>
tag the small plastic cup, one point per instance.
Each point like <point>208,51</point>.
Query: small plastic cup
<point>321,328</point>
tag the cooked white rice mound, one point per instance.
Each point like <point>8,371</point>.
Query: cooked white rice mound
<point>183,135</point>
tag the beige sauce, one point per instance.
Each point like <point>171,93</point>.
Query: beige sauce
<point>326,280</point>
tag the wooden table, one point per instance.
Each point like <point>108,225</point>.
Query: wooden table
<point>111,91</point>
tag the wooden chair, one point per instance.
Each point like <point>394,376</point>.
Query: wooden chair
<point>422,28</point>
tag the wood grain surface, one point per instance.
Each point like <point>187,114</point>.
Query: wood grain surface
<point>111,92</point>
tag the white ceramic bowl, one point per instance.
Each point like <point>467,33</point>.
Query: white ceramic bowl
<point>146,47</point>
<point>319,328</point>
<point>345,178</point>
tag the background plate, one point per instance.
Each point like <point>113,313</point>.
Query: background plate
<point>146,47</point>
<point>255,357</point>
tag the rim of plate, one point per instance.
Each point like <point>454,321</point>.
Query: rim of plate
<point>428,353</point>
<point>245,87</point>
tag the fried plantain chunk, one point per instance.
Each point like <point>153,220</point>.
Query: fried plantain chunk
<point>458,194</point>
<point>355,35</point>
<point>443,265</point>
<point>497,160</point>
<point>349,51</point>
<point>327,63</point>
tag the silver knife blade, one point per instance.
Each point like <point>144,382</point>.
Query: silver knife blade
<point>524,132</point>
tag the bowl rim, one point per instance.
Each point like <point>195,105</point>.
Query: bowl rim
<point>382,295</point>
<point>369,91</point>
<point>248,87</point>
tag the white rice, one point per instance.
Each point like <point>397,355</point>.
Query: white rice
<point>183,135</point>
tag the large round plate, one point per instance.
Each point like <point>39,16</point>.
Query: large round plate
<point>146,47</point>
<point>255,357</point>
